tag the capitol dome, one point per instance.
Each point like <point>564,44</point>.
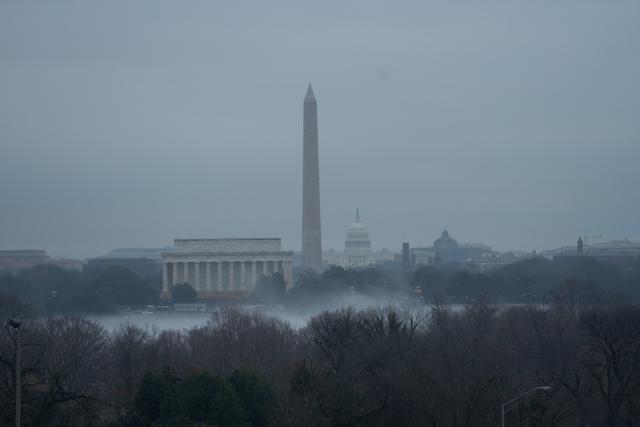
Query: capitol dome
<point>357,238</point>
<point>357,230</point>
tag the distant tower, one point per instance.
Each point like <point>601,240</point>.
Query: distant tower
<point>406,258</point>
<point>311,237</point>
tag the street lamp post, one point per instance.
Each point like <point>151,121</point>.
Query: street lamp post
<point>16,325</point>
<point>508,406</point>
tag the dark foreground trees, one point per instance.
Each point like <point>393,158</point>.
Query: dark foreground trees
<point>64,371</point>
<point>386,366</point>
<point>241,399</point>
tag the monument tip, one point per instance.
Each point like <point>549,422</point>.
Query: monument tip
<point>309,97</point>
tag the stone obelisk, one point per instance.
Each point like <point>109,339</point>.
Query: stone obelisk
<point>311,236</point>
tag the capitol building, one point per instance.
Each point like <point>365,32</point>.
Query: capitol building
<point>357,249</point>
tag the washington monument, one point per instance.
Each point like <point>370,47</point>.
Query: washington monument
<point>311,237</point>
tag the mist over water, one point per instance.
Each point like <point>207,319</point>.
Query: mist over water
<point>296,317</point>
<point>159,321</point>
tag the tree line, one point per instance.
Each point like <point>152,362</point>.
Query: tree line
<point>53,290</point>
<point>532,281</point>
<point>535,280</point>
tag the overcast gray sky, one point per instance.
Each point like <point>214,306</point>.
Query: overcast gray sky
<point>131,123</point>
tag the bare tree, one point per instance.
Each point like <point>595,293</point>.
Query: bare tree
<point>234,340</point>
<point>134,351</point>
<point>611,354</point>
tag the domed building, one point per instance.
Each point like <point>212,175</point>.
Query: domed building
<point>445,242</point>
<point>357,247</point>
<point>446,249</point>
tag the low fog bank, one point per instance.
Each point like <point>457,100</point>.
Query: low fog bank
<point>54,291</point>
<point>298,316</point>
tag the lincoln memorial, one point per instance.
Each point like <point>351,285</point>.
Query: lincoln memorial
<point>223,268</point>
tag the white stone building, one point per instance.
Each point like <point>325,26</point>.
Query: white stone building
<point>223,268</point>
<point>357,249</point>
<point>357,246</point>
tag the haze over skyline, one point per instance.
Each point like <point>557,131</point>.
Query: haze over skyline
<point>130,124</point>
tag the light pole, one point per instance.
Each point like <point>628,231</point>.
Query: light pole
<point>508,406</point>
<point>16,325</point>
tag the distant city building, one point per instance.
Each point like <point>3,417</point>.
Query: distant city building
<point>384,255</point>
<point>12,261</point>
<point>406,253</point>
<point>423,255</point>
<point>408,260</point>
<point>67,263</point>
<point>493,260</point>
<point>552,253</point>
<point>148,253</point>
<point>357,249</point>
<point>446,250</point>
<point>144,262</point>
<point>623,253</point>
<point>615,248</point>
<point>224,268</point>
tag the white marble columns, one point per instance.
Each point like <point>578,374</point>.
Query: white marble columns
<point>221,274</point>
<point>165,279</point>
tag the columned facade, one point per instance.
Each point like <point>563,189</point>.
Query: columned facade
<point>224,268</point>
